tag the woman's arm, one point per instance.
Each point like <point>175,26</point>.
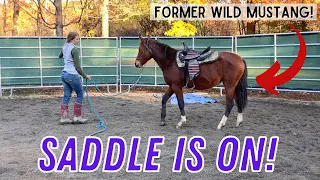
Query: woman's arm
<point>60,54</point>
<point>76,59</point>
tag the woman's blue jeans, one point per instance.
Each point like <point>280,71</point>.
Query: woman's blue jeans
<point>71,82</point>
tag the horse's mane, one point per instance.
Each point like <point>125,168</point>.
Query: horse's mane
<point>165,45</point>
<point>168,53</point>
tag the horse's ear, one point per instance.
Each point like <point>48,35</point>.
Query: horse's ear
<point>140,37</point>
<point>148,35</point>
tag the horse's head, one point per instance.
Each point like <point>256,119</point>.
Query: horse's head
<point>145,53</point>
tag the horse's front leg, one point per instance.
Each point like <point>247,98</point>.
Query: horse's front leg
<point>165,98</point>
<point>179,94</point>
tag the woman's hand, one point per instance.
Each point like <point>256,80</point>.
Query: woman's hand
<point>88,77</point>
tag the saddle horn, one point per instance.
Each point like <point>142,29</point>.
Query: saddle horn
<point>185,49</point>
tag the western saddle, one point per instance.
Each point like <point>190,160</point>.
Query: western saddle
<point>189,55</point>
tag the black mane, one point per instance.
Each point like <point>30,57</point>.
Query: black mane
<point>162,44</point>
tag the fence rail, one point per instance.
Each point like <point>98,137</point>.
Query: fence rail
<point>32,62</point>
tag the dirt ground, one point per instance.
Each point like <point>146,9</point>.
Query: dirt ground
<point>26,119</point>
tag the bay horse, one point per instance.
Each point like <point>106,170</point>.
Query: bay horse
<point>228,68</point>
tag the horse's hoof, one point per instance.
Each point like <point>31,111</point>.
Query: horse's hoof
<point>178,127</point>
<point>219,126</point>
<point>238,124</point>
<point>162,123</point>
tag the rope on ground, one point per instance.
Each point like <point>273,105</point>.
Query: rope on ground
<point>102,123</point>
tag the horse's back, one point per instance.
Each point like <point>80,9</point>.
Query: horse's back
<point>231,60</point>
<point>232,65</point>
<point>231,57</point>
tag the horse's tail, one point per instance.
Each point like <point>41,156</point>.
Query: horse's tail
<point>241,90</point>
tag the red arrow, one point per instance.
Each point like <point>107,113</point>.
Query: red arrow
<point>268,80</point>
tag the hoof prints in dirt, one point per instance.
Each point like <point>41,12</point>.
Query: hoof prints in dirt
<point>25,122</point>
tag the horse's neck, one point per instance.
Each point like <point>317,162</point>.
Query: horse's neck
<point>165,58</point>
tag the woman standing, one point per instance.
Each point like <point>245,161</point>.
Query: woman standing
<point>71,79</point>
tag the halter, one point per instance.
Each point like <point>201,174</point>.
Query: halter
<point>148,48</point>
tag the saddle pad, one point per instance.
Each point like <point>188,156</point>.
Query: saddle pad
<point>179,63</point>
<point>214,56</point>
<point>193,68</point>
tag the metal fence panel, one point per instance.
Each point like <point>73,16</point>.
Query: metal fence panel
<point>99,58</point>
<point>261,51</point>
<point>33,62</point>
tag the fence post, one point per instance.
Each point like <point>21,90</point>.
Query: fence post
<point>155,69</point>
<point>120,65</point>
<point>232,44</point>
<point>117,66</point>
<point>236,44</point>
<point>275,55</point>
<point>40,59</point>
<point>193,43</point>
<point>81,57</point>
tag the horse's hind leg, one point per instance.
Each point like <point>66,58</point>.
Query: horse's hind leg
<point>178,91</point>
<point>165,98</point>
<point>229,105</point>
<point>240,111</point>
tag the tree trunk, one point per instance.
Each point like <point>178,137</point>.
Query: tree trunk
<point>105,18</point>
<point>38,33</point>
<point>16,9</point>
<point>59,23</point>
<point>251,27</point>
<point>5,18</point>
<point>243,27</point>
<point>304,26</point>
<point>240,29</point>
<point>303,23</point>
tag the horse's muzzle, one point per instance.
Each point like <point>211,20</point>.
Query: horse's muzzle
<point>137,64</point>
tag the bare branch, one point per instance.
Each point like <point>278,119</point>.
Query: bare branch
<point>41,4</point>
<point>44,23</point>
<point>79,18</point>
<point>47,24</point>
<point>66,5</point>
<point>52,1</point>
<point>36,3</point>
<point>41,15</point>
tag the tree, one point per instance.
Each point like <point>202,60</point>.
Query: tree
<point>91,22</point>
<point>105,18</point>
<point>5,17</point>
<point>56,10</point>
<point>16,9</point>
<point>127,18</point>
<point>181,28</point>
<point>280,25</point>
